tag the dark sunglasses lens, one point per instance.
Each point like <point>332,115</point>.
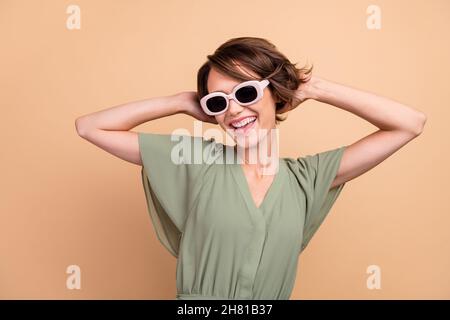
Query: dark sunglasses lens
<point>246,94</point>
<point>216,104</point>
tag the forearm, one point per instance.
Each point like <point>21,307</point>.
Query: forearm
<point>382,112</point>
<point>129,115</point>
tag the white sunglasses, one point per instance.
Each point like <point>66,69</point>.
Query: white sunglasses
<point>245,93</point>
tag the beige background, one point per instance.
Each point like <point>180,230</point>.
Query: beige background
<point>65,201</point>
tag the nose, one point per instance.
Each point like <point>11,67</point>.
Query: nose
<point>234,108</point>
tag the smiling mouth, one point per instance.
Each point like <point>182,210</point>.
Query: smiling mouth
<point>244,122</point>
<point>245,125</point>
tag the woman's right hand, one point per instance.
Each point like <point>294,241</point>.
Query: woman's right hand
<point>190,105</point>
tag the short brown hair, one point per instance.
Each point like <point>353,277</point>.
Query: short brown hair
<point>263,58</point>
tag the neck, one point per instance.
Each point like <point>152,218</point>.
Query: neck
<point>263,155</point>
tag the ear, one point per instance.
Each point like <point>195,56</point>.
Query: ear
<point>278,99</point>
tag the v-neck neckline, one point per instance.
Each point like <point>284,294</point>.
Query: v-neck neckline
<point>245,187</point>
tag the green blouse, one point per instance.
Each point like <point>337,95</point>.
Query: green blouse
<point>204,214</point>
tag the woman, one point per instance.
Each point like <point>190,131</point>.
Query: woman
<point>237,228</point>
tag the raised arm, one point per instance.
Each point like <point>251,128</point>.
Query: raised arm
<point>398,124</point>
<point>109,129</point>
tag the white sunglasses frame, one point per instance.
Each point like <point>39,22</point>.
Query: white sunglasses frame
<point>258,84</point>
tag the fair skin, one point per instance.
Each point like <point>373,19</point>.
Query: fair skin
<point>398,124</point>
<point>264,110</point>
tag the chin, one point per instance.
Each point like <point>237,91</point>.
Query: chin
<point>250,140</point>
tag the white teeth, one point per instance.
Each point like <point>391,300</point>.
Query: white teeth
<point>243,122</point>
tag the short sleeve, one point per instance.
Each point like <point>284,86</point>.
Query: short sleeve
<point>319,171</point>
<point>171,167</point>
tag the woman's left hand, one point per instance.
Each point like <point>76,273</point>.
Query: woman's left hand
<point>303,93</point>
<point>304,89</point>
